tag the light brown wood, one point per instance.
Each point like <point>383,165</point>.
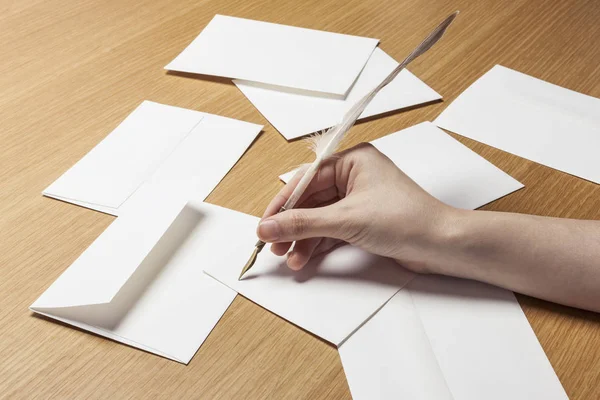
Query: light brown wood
<point>70,71</point>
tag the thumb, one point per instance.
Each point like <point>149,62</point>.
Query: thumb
<point>302,223</point>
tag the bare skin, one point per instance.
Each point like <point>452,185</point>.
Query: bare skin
<point>362,198</point>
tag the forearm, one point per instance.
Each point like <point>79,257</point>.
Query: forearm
<point>550,258</point>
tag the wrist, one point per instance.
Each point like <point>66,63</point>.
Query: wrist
<point>444,243</point>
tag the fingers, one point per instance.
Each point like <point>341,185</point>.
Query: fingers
<point>302,252</point>
<point>281,197</point>
<point>324,179</point>
<point>306,249</point>
<point>298,224</point>
<point>320,199</point>
<point>333,173</point>
<point>280,249</point>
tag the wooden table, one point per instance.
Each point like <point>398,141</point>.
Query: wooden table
<point>71,71</point>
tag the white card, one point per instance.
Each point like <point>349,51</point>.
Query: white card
<point>139,283</point>
<point>155,142</point>
<point>530,118</point>
<point>277,55</point>
<point>330,297</point>
<point>296,114</point>
<point>443,167</point>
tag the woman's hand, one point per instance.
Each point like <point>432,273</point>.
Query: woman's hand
<point>362,198</point>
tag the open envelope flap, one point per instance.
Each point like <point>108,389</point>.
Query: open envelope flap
<point>156,282</point>
<point>96,277</point>
<point>110,335</point>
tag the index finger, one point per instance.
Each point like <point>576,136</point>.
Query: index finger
<point>324,179</point>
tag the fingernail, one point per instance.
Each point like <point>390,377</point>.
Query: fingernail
<point>269,230</point>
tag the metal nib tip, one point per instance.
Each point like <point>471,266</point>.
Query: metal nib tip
<point>257,248</point>
<point>250,263</point>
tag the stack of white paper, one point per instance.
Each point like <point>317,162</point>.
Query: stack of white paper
<point>531,118</point>
<point>447,338</point>
<point>157,143</point>
<point>301,80</point>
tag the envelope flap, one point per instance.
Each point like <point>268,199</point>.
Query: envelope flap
<point>101,270</point>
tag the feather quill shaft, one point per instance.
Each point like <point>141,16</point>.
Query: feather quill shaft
<point>324,145</point>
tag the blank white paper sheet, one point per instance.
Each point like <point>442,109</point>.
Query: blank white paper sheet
<point>322,297</point>
<point>278,55</point>
<point>442,166</point>
<point>298,114</point>
<point>156,142</point>
<point>448,338</point>
<point>530,118</point>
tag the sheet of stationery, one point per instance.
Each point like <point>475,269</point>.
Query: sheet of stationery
<point>530,118</point>
<point>277,55</point>
<point>443,167</point>
<point>298,114</point>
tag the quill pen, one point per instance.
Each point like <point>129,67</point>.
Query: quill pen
<point>324,145</point>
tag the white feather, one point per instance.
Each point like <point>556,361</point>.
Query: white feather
<point>325,144</point>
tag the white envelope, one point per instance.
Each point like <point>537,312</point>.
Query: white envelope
<point>297,114</point>
<point>443,337</point>
<point>277,55</point>
<point>443,167</point>
<point>155,142</point>
<point>530,118</point>
<point>390,356</point>
<point>139,283</point>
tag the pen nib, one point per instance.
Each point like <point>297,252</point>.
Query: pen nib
<point>257,248</point>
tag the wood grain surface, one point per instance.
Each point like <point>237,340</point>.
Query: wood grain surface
<point>70,71</point>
